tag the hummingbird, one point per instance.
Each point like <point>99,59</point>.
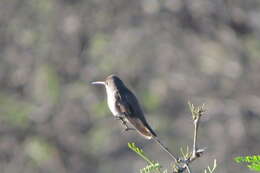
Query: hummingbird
<point>124,106</point>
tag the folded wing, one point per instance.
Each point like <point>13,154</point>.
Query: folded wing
<point>128,105</point>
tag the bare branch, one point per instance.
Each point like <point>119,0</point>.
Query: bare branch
<point>196,115</point>
<point>196,153</point>
<point>188,168</point>
<point>182,164</point>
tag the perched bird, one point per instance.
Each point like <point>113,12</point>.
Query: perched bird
<point>124,106</point>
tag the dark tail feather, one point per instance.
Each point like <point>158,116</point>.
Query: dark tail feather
<point>142,127</point>
<point>164,148</point>
<point>151,130</point>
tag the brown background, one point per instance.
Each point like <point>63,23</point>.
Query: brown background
<point>168,51</point>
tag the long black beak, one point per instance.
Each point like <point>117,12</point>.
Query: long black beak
<point>98,83</point>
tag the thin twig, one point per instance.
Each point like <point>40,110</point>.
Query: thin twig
<point>166,149</point>
<point>196,125</point>
<point>188,168</point>
<point>196,115</point>
<point>196,153</point>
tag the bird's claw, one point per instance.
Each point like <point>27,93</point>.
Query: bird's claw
<point>119,116</point>
<point>126,126</point>
<point>127,129</point>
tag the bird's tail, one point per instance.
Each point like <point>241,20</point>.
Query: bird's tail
<point>142,127</point>
<point>164,148</point>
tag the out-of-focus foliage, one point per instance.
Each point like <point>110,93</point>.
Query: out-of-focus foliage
<point>14,112</point>
<point>167,51</point>
<point>253,162</point>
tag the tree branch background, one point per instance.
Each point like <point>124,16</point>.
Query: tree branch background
<point>169,52</point>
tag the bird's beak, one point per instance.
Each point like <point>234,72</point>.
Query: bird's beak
<point>98,83</point>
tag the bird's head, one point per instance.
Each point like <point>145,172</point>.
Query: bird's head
<point>112,82</point>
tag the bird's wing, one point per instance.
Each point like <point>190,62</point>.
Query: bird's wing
<point>122,105</point>
<point>129,106</point>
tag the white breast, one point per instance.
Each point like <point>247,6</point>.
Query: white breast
<point>111,101</point>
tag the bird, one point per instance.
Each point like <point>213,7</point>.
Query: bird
<point>124,106</point>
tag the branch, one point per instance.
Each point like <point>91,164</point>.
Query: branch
<point>181,164</point>
<point>196,153</point>
<point>187,167</point>
<point>196,115</point>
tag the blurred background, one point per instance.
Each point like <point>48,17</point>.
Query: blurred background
<point>168,52</point>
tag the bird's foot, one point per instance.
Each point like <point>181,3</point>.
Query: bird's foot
<point>127,129</point>
<point>119,116</point>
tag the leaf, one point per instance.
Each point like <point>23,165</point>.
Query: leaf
<point>139,151</point>
<point>254,166</point>
<point>150,168</point>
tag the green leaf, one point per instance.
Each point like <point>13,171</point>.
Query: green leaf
<point>255,166</point>
<point>139,151</point>
<point>238,159</point>
<point>150,168</point>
